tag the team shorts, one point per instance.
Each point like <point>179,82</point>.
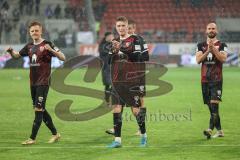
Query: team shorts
<point>211,91</point>
<point>39,96</point>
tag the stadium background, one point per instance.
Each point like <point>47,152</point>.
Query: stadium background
<point>171,27</point>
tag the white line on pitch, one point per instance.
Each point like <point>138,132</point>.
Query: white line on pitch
<point>127,146</point>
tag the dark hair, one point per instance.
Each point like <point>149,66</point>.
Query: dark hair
<point>34,23</point>
<point>107,34</point>
<point>122,18</point>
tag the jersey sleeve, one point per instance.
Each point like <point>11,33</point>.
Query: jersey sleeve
<point>24,51</point>
<point>199,47</point>
<point>53,47</point>
<point>104,49</point>
<point>223,47</point>
<point>144,56</point>
<point>101,50</point>
<point>136,49</point>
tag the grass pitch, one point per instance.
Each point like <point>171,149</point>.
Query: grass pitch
<point>174,126</point>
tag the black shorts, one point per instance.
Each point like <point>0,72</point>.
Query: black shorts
<point>126,94</point>
<point>142,84</point>
<point>39,96</point>
<point>211,91</point>
<point>142,87</point>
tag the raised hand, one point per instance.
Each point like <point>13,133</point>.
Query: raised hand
<point>48,47</point>
<point>211,45</point>
<point>116,46</point>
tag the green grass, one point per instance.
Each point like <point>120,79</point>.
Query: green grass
<point>168,139</point>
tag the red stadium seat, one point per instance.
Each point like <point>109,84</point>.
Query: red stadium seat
<point>153,14</point>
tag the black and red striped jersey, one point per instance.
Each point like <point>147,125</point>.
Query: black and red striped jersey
<point>125,62</point>
<point>211,70</point>
<point>40,62</point>
<point>130,48</point>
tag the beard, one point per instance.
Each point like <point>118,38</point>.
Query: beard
<point>211,35</point>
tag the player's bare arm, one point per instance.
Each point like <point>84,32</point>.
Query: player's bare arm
<point>13,53</point>
<point>58,54</point>
<point>200,56</point>
<point>220,55</point>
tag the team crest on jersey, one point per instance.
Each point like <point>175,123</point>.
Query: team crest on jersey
<point>127,44</point>
<point>41,49</point>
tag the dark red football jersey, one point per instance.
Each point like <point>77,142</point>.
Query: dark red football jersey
<point>211,70</point>
<point>40,62</point>
<point>125,66</point>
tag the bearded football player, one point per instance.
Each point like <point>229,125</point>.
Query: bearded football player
<point>212,54</point>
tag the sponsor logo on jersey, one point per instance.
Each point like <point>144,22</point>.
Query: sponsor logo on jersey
<point>34,61</point>
<point>210,57</point>
<point>34,58</point>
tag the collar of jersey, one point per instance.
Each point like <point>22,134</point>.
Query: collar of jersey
<point>39,42</point>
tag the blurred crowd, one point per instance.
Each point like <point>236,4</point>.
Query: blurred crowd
<point>12,26</point>
<point>5,23</point>
<point>73,9</point>
<point>10,19</point>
